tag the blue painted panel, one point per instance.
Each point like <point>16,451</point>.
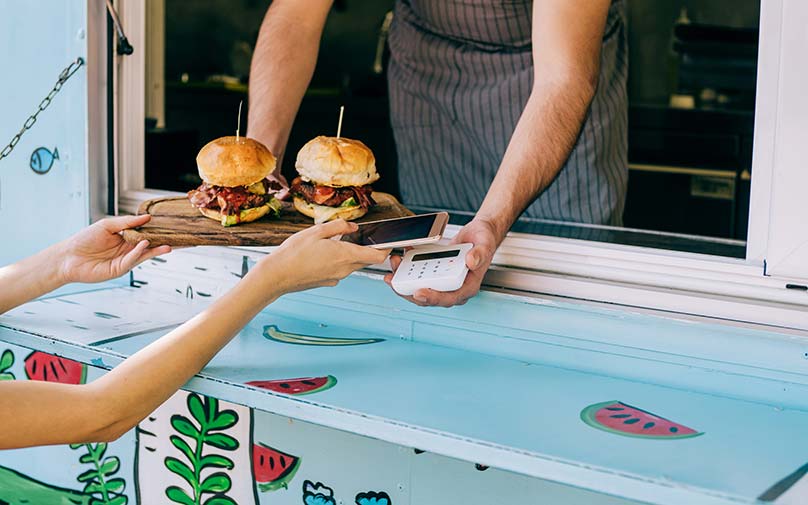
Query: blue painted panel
<point>39,39</point>
<point>347,466</point>
<point>59,466</point>
<point>526,407</point>
<point>501,381</point>
<point>445,481</point>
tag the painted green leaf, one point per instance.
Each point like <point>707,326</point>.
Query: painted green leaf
<point>88,475</point>
<point>7,376</point>
<point>222,441</point>
<point>216,483</point>
<point>184,426</point>
<point>99,450</point>
<point>110,465</point>
<point>226,419</point>
<point>211,405</point>
<point>115,485</point>
<point>98,490</point>
<point>177,495</point>
<point>6,360</point>
<point>184,448</point>
<point>220,500</point>
<point>214,460</point>
<point>197,409</point>
<point>180,469</point>
<point>93,487</point>
<point>118,500</point>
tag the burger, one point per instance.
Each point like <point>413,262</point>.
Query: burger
<point>335,178</point>
<point>235,188</point>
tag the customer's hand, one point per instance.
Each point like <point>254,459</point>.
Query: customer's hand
<point>310,258</point>
<point>485,239</point>
<point>99,253</point>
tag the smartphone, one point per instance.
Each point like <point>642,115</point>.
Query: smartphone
<point>400,232</point>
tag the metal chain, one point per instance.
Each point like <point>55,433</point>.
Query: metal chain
<point>66,74</point>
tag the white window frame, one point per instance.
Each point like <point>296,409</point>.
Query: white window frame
<point>779,225</point>
<point>718,287</point>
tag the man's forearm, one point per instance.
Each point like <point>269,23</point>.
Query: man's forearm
<point>30,278</point>
<point>282,67</point>
<point>542,141</point>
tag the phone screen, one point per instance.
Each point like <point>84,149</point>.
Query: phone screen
<point>395,230</point>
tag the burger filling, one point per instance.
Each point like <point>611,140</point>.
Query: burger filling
<point>352,196</point>
<point>231,201</point>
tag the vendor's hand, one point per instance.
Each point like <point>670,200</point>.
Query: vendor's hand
<point>311,258</point>
<point>99,253</point>
<point>277,176</point>
<point>484,237</point>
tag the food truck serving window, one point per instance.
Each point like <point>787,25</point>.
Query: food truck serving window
<point>713,171</point>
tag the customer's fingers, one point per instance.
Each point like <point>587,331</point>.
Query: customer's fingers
<point>153,252</point>
<point>131,258</point>
<point>120,223</point>
<point>366,255</point>
<point>332,228</point>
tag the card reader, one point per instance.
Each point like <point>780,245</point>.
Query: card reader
<point>439,267</point>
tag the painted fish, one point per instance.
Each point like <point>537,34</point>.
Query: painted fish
<point>42,159</point>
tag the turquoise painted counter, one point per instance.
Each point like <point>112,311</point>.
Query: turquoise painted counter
<point>501,382</point>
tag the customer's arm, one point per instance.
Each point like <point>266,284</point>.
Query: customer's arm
<point>110,406</point>
<point>282,67</point>
<point>95,254</point>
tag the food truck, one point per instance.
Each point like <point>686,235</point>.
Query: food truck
<point>597,365</point>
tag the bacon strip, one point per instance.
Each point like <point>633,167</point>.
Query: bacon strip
<point>228,200</point>
<point>332,197</point>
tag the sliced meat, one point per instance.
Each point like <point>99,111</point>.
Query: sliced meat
<point>330,196</point>
<point>227,200</point>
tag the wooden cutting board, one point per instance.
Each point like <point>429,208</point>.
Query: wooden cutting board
<point>176,223</point>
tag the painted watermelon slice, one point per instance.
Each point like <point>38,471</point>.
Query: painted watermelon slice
<point>285,337</point>
<point>622,419</point>
<point>302,386</point>
<point>41,366</point>
<point>273,469</point>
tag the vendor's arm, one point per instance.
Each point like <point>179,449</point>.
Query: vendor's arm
<point>110,406</point>
<point>567,39</point>
<point>282,67</point>
<point>95,254</point>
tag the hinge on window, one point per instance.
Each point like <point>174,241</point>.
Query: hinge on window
<point>791,285</point>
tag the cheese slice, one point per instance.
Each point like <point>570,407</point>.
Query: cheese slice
<point>323,213</point>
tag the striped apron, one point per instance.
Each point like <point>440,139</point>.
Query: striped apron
<point>460,74</point>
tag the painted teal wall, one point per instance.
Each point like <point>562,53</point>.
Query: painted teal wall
<point>39,38</point>
<point>346,465</point>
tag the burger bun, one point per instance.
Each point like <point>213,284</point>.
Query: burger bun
<point>234,161</point>
<point>336,162</point>
<point>322,213</point>
<point>245,216</point>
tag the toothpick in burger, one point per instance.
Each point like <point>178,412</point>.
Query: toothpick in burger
<point>235,188</point>
<point>335,178</point>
